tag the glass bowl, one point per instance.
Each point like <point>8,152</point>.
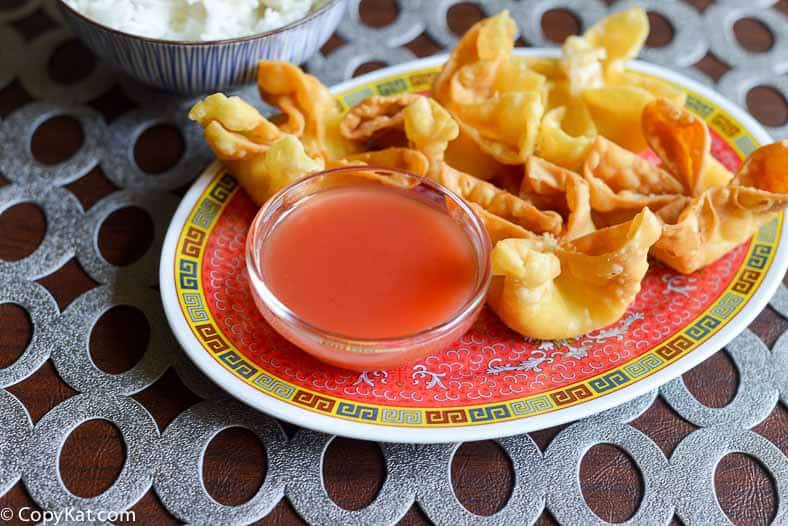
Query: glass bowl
<point>342,350</point>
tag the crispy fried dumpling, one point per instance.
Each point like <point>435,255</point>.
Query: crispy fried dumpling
<point>259,155</point>
<point>283,163</point>
<point>497,100</point>
<point>557,188</point>
<point>658,88</point>
<point>555,144</point>
<point>681,139</point>
<point>621,36</point>
<point>546,290</point>
<point>516,74</point>
<point>429,128</point>
<point>375,114</point>
<point>499,228</point>
<point>582,65</point>
<point>489,41</point>
<point>616,113</point>
<point>766,169</point>
<point>233,128</point>
<point>499,202</point>
<point>464,154</point>
<point>619,179</point>
<point>700,230</point>
<point>710,225</point>
<point>504,126</point>
<point>311,112</point>
<point>594,71</point>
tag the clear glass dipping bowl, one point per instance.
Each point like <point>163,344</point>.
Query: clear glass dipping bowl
<point>343,350</point>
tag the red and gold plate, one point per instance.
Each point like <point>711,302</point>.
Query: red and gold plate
<point>492,382</point>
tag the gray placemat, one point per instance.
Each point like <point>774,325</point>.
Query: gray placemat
<point>169,460</point>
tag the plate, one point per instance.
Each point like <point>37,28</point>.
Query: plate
<point>492,382</point>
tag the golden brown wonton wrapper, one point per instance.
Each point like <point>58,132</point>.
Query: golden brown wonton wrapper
<point>260,156</point>
<point>233,129</point>
<point>464,154</point>
<point>558,146</point>
<point>557,188</point>
<point>429,128</point>
<point>489,43</point>
<point>374,114</point>
<point>700,230</point>
<point>499,228</point>
<point>499,202</point>
<point>766,169</point>
<point>546,290</point>
<point>621,180</point>
<point>283,163</point>
<point>614,97</point>
<point>681,139</point>
<point>496,99</point>
<point>312,113</point>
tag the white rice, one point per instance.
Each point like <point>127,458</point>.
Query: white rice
<point>199,20</point>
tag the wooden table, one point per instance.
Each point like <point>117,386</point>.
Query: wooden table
<point>94,453</point>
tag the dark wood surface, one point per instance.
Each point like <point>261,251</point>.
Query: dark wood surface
<point>354,470</point>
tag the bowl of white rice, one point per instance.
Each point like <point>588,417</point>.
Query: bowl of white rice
<point>193,47</point>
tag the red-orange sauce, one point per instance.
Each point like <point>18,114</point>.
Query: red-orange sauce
<point>368,262</point>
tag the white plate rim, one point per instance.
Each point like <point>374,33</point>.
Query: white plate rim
<point>337,426</point>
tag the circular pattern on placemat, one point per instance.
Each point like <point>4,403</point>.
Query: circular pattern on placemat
<point>682,483</point>
<point>17,161</point>
<point>38,82</point>
<point>71,354</point>
<point>140,434</point>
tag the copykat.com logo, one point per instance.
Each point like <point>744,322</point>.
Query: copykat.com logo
<point>27,515</point>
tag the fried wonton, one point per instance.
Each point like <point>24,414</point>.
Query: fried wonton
<point>546,290</point>
<point>582,65</point>
<point>657,87</point>
<point>557,188</point>
<point>621,36</point>
<point>594,67</point>
<point>488,42</point>
<point>766,169</point>
<point>464,154</point>
<point>681,139</point>
<point>619,179</point>
<point>257,153</point>
<point>496,98</point>
<point>700,230</point>
<point>505,126</point>
<point>499,202</point>
<point>616,112</point>
<point>429,128</point>
<point>499,228</point>
<point>233,128</point>
<point>557,145</point>
<point>375,114</point>
<point>283,163</point>
<point>311,112</point>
